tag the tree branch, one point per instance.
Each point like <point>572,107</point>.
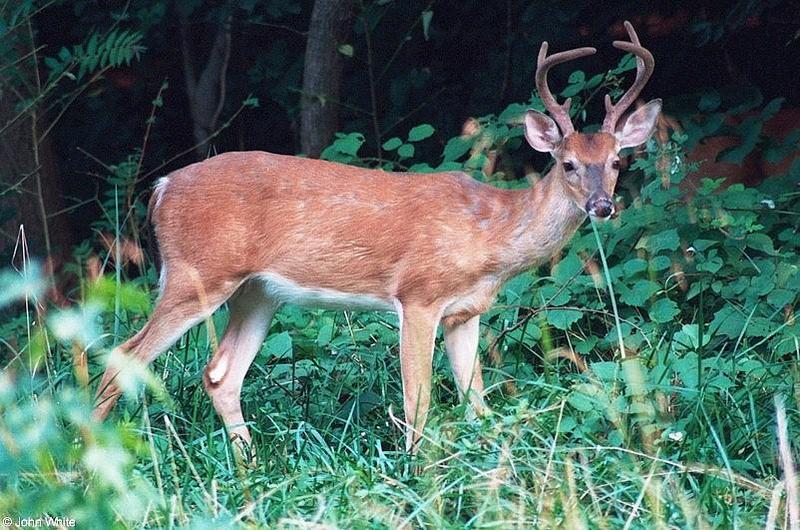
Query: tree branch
<point>186,53</point>
<point>207,92</point>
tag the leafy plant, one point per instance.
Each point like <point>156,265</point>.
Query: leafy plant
<point>632,382</point>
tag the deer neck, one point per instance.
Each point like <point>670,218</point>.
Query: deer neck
<point>544,218</point>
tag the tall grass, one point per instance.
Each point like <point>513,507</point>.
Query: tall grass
<point>658,388</point>
<point>328,454</point>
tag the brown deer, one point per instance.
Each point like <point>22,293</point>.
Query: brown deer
<point>259,230</point>
<point>756,166</point>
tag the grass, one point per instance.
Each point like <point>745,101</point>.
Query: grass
<point>329,448</point>
<point>695,426</point>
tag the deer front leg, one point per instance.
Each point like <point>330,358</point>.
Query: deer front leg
<point>461,342</point>
<point>417,335</point>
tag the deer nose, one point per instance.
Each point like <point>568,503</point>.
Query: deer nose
<point>601,208</point>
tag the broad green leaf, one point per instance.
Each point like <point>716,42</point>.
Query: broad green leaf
<point>589,396</point>
<point>761,242</point>
<point>785,343</point>
<point>760,285</point>
<point>572,90</point>
<point>577,77</point>
<point>566,269</point>
<point>720,381</point>
<point>712,263</point>
<point>421,168</point>
<point>660,263</point>
<point>456,148</point>
<point>325,334</point>
<point>735,287</point>
<point>663,310</point>
<point>563,318</point>
<point>595,81</point>
<point>728,322</point>
<point>701,245</point>
<point>405,151</point>
<point>280,345</point>
<point>606,370</point>
<point>689,337</point>
<point>640,293</point>
<point>687,369</point>
<point>553,294</point>
<point>516,287</point>
<point>758,327</point>
<point>420,132</point>
<point>392,143</point>
<point>666,240</point>
<point>632,266</point>
<point>780,298</point>
<point>586,345</point>
<point>512,114</point>
<point>344,148</point>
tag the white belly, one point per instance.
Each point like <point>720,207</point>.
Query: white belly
<point>286,291</point>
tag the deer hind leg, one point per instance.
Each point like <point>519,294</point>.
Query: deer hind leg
<point>461,343</point>
<point>417,335</point>
<point>251,312</point>
<point>184,302</point>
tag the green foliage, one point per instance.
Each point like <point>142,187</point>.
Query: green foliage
<point>706,290</point>
<point>56,461</point>
<point>16,285</point>
<point>662,401</point>
<point>736,15</point>
<point>344,149</point>
<point>420,132</point>
<point>117,48</point>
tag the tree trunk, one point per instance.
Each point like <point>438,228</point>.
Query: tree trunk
<point>207,92</point>
<point>329,28</point>
<point>30,180</point>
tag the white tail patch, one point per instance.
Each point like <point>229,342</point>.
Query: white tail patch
<point>158,194</point>
<point>158,191</point>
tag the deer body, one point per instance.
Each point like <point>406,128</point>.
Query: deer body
<point>368,238</point>
<point>261,230</point>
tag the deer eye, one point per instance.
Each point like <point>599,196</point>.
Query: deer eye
<point>568,166</point>
<point>615,164</point>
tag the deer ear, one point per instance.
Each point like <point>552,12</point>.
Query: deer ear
<point>639,125</point>
<point>541,131</point>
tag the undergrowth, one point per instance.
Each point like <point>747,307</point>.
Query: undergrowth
<point>658,411</point>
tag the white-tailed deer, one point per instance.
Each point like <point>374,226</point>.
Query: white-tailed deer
<point>259,230</point>
<point>757,166</point>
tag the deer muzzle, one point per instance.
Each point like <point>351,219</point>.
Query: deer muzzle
<point>600,206</point>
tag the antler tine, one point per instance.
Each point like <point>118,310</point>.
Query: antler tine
<point>645,65</point>
<point>560,113</point>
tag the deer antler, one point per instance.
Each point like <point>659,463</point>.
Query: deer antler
<point>644,69</point>
<point>560,113</point>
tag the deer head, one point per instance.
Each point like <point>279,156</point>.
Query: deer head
<point>587,164</point>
